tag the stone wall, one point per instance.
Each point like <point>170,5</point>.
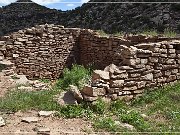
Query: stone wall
<point>144,65</point>
<point>42,51</point>
<point>126,65</point>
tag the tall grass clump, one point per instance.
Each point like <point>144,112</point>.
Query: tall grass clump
<point>150,32</point>
<point>169,33</point>
<point>78,75</point>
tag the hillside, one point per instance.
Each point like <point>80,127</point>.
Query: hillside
<point>21,15</point>
<point>111,18</point>
<point>125,17</point>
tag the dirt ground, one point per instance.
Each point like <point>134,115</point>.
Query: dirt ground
<point>57,126</point>
<point>14,124</point>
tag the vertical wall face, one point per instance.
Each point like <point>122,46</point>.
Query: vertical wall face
<point>99,51</point>
<point>42,52</point>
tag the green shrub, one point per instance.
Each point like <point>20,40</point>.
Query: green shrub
<point>2,67</point>
<point>77,76</point>
<point>135,119</point>
<point>100,106</point>
<point>105,123</point>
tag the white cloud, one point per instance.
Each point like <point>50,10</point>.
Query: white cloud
<point>70,5</point>
<point>42,2</point>
<point>84,1</point>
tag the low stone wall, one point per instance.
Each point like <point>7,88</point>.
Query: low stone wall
<point>145,65</point>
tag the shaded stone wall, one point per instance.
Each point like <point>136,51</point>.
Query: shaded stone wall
<point>42,51</point>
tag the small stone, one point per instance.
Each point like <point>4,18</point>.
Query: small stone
<point>128,126</point>
<point>30,119</point>
<point>2,122</point>
<point>90,99</point>
<point>22,79</point>
<point>25,88</point>
<point>42,130</point>
<point>46,113</point>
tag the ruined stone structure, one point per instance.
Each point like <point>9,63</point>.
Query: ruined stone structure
<point>125,65</point>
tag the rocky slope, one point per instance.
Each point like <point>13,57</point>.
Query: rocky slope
<point>109,17</point>
<point>125,17</point>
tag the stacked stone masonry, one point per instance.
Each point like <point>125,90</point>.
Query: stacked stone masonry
<point>129,64</point>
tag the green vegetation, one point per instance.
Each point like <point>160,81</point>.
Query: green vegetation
<point>158,110</point>
<point>15,77</point>
<point>45,80</point>
<point>102,33</point>
<point>169,33</point>
<point>2,67</point>
<point>77,75</point>
<point>150,33</point>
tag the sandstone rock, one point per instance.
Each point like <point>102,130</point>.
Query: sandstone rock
<point>113,69</point>
<point>22,79</point>
<point>2,122</point>
<point>128,126</point>
<point>66,98</point>
<point>30,119</point>
<point>148,77</point>
<point>93,91</point>
<point>42,130</point>
<point>120,76</point>
<point>25,88</point>
<point>77,94</point>
<point>117,83</point>
<point>99,74</point>
<point>88,98</point>
<point>46,113</point>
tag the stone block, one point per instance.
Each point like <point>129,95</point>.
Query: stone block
<point>93,91</point>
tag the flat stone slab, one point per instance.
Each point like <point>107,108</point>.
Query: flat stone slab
<point>46,113</point>
<point>30,119</point>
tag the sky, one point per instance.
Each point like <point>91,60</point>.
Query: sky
<point>53,4</point>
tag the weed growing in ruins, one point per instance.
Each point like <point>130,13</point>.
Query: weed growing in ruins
<point>169,33</point>
<point>102,33</point>
<point>77,75</point>
<point>150,32</point>
<point>45,80</point>
<point>2,67</point>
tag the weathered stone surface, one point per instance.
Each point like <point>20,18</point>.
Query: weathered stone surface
<point>113,69</point>
<point>46,113</point>
<point>42,130</point>
<point>93,91</point>
<point>99,74</point>
<point>30,119</point>
<point>66,98</point>
<point>116,83</point>
<point>76,93</point>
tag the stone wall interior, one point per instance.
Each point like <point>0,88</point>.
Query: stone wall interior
<point>125,65</point>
